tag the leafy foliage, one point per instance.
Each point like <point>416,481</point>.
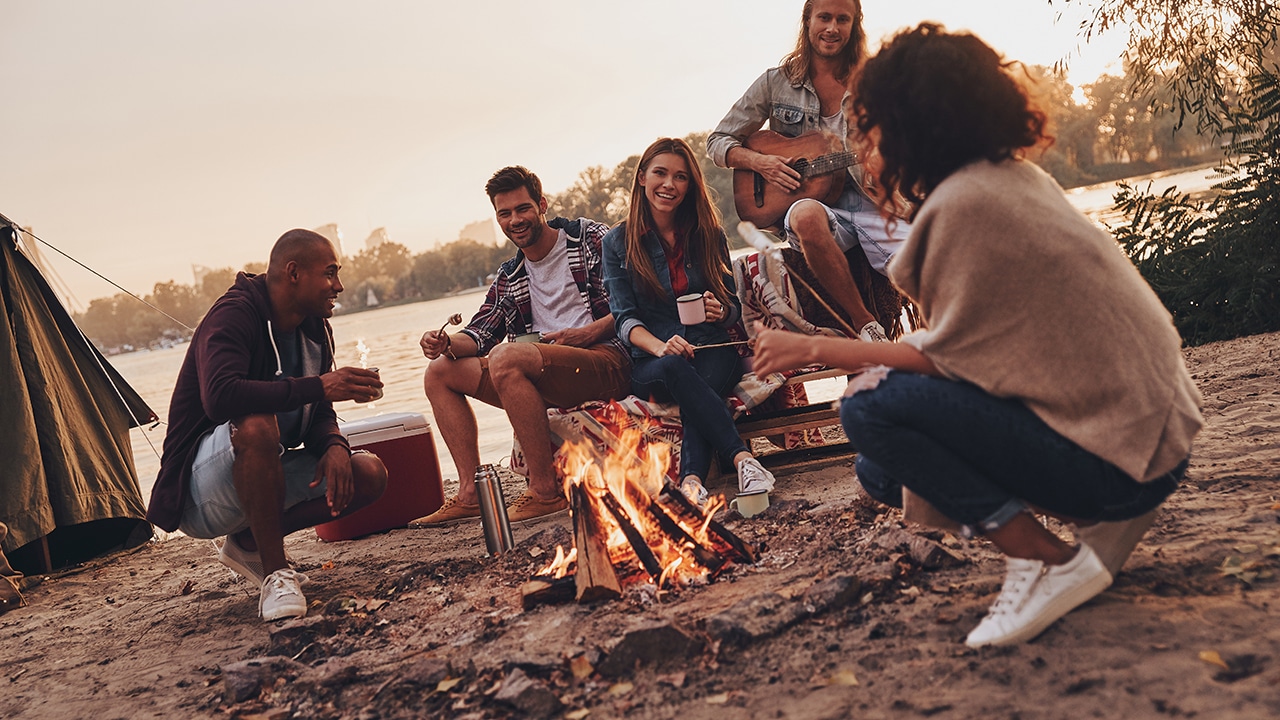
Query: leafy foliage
<point>1212,42</point>
<point>1216,264</point>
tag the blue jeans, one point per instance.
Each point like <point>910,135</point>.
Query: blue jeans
<point>699,388</point>
<point>980,459</point>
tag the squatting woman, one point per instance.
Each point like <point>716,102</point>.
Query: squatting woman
<point>1049,377</point>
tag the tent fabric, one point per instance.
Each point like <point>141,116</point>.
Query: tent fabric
<point>64,422</point>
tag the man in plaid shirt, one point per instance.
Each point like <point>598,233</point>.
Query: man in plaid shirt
<point>552,291</point>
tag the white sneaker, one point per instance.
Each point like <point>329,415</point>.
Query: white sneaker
<point>694,491</point>
<point>1115,541</point>
<point>282,596</point>
<point>1035,595</point>
<point>873,332</point>
<point>246,564</point>
<point>753,477</point>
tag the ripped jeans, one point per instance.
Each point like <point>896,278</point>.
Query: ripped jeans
<point>981,460</point>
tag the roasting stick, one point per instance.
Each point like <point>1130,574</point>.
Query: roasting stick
<point>725,344</point>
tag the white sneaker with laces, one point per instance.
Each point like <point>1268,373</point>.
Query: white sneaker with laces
<point>1035,595</point>
<point>753,477</point>
<point>282,596</point>
<point>246,564</point>
<point>873,332</point>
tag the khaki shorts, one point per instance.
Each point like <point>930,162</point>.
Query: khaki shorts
<point>571,376</point>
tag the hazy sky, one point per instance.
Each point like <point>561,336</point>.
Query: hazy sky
<point>144,136</point>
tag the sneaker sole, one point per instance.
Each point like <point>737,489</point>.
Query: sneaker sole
<point>285,613</point>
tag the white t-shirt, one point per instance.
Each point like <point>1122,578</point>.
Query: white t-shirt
<point>556,302</point>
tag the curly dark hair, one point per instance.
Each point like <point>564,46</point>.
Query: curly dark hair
<point>941,100</point>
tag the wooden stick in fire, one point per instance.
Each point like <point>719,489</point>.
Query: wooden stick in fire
<point>596,578</point>
<point>745,552</point>
<point>642,549</point>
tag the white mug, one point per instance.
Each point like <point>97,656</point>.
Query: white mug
<point>751,504</point>
<point>692,308</point>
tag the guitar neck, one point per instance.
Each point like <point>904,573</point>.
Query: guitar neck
<point>824,164</point>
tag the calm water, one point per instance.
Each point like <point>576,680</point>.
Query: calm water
<point>392,335</point>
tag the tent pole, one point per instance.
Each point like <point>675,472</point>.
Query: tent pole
<point>44,554</point>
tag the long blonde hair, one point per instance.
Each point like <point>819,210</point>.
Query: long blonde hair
<point>697,218</point>
<point>798,62</point>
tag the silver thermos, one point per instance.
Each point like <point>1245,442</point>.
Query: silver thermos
<point>493,511</point>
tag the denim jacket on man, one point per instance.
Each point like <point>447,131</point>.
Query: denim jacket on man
<point>792,110</point>
<point>633,307</point>
<point>507,310</point>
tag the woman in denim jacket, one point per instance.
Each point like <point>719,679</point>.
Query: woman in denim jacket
<point>671,245</point>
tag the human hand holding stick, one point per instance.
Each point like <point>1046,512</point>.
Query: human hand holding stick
<point>436,343</point>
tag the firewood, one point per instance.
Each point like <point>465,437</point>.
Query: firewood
<point>542,590</point>
<point>707,557</point>
<point>744,551</point>
<point>596,578</point>
<point>643,552</point>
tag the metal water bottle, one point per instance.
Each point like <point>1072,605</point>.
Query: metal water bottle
<point>493,511</point>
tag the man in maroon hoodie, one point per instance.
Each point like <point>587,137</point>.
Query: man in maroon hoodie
<point>253,450</point>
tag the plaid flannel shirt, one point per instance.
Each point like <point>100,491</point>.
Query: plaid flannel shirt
<point>507,311</point>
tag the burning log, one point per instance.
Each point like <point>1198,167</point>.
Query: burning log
<point>643,552</point>
<point>596,578</point>
<point>708,557</point>
<point>673,496</point>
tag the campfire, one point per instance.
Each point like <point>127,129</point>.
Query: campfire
<point>631,524</point>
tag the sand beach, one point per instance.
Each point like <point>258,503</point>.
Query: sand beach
<point>840,618</point>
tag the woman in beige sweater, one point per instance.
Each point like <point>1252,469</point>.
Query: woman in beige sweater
<point>1049,378</point>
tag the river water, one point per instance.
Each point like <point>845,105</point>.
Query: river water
<point>391,335</point>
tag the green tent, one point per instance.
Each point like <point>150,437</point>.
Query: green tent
<point>68,486</point>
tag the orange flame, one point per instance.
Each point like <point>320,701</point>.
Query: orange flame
<point>633,474</point>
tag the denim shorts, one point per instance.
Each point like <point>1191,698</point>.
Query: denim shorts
<point>854,221</point>
<point>213,507</point>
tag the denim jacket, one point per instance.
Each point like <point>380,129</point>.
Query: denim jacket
<point>792,110</point>
<point>507,310</point>
<point>633,307</point>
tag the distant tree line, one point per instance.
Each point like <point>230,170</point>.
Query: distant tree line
<point>1113,133</point>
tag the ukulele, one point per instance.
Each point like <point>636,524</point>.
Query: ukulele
<point>821,158</point>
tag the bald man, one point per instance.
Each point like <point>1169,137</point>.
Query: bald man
<point>252,451</point>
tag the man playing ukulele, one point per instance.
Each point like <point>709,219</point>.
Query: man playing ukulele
<point>805,94</point>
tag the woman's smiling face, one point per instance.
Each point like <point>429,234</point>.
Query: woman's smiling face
<point>665,182</point>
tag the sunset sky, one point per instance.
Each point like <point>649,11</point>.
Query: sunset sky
<point>144,136</point>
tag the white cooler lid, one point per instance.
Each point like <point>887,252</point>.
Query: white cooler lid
<point>381,428</point>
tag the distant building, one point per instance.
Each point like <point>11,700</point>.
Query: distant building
<point>376,238</point>
<point>199,272</point>
<point>334,233</point>
<point>481,231</point>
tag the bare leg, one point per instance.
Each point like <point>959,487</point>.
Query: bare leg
<point>514,367</point>
<point>1024,537</point>
<point>370,477</point>
<point>259,481</point>
<point>448,383</point>
<point>809,222</point>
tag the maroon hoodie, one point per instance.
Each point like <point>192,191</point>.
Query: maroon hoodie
<point>231,371</point>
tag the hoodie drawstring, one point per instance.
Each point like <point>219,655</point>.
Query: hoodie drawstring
<point>271,334</point>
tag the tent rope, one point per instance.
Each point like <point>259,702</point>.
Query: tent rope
<point>93,351</point>
<point>104,277</point>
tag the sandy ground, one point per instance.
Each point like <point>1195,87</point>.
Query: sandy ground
<point>420,624</point>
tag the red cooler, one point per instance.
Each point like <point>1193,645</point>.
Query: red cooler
<point>404,443</point>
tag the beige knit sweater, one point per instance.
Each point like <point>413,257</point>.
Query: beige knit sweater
<point>1026,298</point>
